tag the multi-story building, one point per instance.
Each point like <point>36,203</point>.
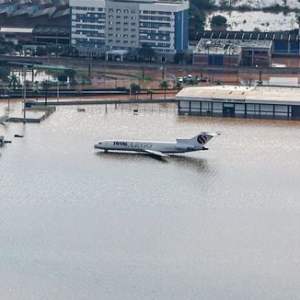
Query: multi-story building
<point>104,25</point>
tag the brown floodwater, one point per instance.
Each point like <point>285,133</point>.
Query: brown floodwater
<point>81,224</point>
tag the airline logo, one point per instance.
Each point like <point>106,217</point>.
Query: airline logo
<point>202,139</point>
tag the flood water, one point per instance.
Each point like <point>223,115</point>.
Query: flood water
<point>81,224</point>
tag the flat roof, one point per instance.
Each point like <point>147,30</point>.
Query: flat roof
<point>244,94</point>
<point>229,47</point>
<point>292,35</point>
<point>221,47</point>
<point>15,30</point>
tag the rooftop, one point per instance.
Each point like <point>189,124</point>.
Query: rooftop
<point>251,35</point>
<point>15,30</point>
<point>254,94</point>
<point>217,47</point>
<point>229,47</point>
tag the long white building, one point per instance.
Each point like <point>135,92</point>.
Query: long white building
<point>102,25</point>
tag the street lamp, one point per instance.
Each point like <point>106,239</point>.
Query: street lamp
<point>24,93</point>
<point>57,90</point>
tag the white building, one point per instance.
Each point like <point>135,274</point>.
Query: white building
<point>102,25</point>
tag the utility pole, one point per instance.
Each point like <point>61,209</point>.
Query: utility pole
<point>8,100</point>
<point>90,65</point>
<point>24,93</point>
<point>46,92</point>
<point>57,91</point>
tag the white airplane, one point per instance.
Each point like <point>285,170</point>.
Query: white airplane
<point>159,149</point>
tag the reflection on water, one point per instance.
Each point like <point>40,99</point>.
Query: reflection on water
<point>128,156</point>
<point>183,161</point>
<point>82,224</point>
<point>194,163</point>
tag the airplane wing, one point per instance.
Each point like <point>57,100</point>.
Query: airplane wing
<point>156,153</point>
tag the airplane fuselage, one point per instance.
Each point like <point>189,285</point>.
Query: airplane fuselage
<point>142,146</point>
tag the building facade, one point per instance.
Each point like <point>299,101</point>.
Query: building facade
<point>267,102</point>
<point>232,53</point>
<point>285,43</point>
<point>102,25</point>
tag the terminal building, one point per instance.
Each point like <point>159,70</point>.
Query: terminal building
<point>285,43</point>
<point>241,101</point>
<point>106,25</point>
<point>233,53</point>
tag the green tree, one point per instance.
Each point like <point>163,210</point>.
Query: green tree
<point>134,89</point>
<point>36,89</point>
<point>203,4</point>
<point>218,22</point>
<point>146,53</point>
<point>71,74</point>
<point>196,23</point>
<point>4,73</point>
<point>41,51</point>
<point>45,85</point>
<point>14,82</point>
<point>164,85</point>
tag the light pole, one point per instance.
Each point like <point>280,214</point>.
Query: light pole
<point>8,99</point>
<point>57,91</point>
<point>24,93</point>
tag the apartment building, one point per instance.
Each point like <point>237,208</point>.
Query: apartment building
<point>98,26</point>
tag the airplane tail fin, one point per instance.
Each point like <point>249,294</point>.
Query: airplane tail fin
<point>200,139</point>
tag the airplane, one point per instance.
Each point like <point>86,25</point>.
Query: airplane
<point>158,149</point>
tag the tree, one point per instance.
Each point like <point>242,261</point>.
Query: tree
<point>41,51</point>
<point>36,89</point>
<point>164,85</point>
<point>14,82</point>
<point>4,73</point>
<point>225,4</point>
<point>135,89</point>
<point>218,23</point>
<point>62,77</point>
<point>146,53</point>
<point>70,73</point>
<point>203,4</point>
<point>45,86</point>
<point>196,23</point>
